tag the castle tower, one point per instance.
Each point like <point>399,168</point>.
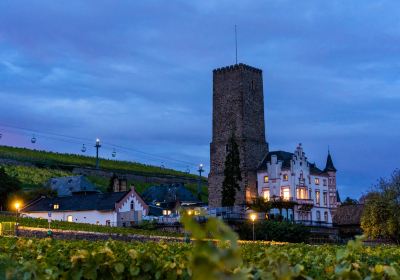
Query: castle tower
<point>331,171</point>
<point>238,107</point>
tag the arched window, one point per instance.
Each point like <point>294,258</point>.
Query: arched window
<point>326,216</point>
<point>132,205</point>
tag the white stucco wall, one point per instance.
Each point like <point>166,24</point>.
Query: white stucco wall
<point>90,217</point>
<point>138,206</point>
<point>298,165</point>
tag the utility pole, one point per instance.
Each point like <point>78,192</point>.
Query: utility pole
<point>201,170</point>
<point>97,146</point>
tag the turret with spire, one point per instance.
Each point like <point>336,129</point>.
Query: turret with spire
<point>329,164</point>
<point>331,171</point>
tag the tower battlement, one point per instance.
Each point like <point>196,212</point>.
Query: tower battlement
<point>236,67</point>
<point>238,109</point>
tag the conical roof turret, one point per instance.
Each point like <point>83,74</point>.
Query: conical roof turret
<point>329,164</point>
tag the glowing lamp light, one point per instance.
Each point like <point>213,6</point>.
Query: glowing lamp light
<point>17,205</point>
<point>253,217</point>
<point>190,213</point>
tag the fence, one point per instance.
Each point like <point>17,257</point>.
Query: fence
<point>7,229</point>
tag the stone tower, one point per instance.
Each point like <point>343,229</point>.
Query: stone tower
<point>238,107</point>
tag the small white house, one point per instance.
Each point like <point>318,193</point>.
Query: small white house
<point>111,209</point>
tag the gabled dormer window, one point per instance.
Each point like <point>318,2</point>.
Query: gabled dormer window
<point>132,205</point>
<point>285,177</point>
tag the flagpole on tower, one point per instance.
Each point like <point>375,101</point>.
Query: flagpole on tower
<point>236,43</point>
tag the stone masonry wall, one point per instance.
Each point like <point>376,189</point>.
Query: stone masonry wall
<point>238,107</point>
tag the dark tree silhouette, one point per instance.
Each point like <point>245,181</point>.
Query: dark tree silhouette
<point>8,186</point>
<point>232,174</point>
<point>349,201</point>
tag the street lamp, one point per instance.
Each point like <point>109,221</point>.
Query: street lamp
<point>253,217</point>
<point>97,146</point>
<point>17,205</point>
<point>201,170</point>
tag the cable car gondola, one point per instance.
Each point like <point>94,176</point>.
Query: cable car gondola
<point>114,153</point>
<point>1,135</point>
<point>33,139</point>
<point>83,148</point>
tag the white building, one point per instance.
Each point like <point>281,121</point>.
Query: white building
<point>290,177</point>
<point>112,209</point>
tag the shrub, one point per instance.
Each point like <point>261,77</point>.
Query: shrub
<point>272,230</point>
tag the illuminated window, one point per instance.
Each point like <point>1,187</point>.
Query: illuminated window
<point>285,177</point>
<point>285,193</point>
<point>248,195</point>
<point>266,194</point>
<point>316,180</point>
<point>166,212</point>
<point>56,206</point>
<point>266,179</point>
<point>69,218</point>
<point>301,193</point>
<point>325,196</point>
<point>317,197</point>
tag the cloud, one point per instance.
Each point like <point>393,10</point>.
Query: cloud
<point>139,74</point>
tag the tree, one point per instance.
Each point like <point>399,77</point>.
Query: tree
<point>8,185</point>
<point>232,173</point>
<point>259,204</point>
<point>381,216</point>
<point>349,201</point>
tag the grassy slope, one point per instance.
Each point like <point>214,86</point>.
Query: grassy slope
<point>54,159</point>
<point>34,177</point>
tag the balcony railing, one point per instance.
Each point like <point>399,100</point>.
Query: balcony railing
<point>305,201</point>
<point>314,223</point>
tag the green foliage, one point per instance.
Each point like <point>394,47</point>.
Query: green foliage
<point>42,223</point>
<point>260,205</point>
<point>223,257</point>
<point>214,260</point>
<point>271,230</point>
<point>381,215</point>
<point>33,177</point>
<point>232,174</point>
<point>8,185</point>
<point>58,160</point>
<point>349,201</point>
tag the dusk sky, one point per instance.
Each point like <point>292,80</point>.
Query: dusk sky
<point>139,75</point>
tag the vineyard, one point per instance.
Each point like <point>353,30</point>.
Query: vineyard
<point>55,259</point>
<point>51,159</point>
<point>223,257</point>
<point>42,223</point>
<point>33,177</point>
